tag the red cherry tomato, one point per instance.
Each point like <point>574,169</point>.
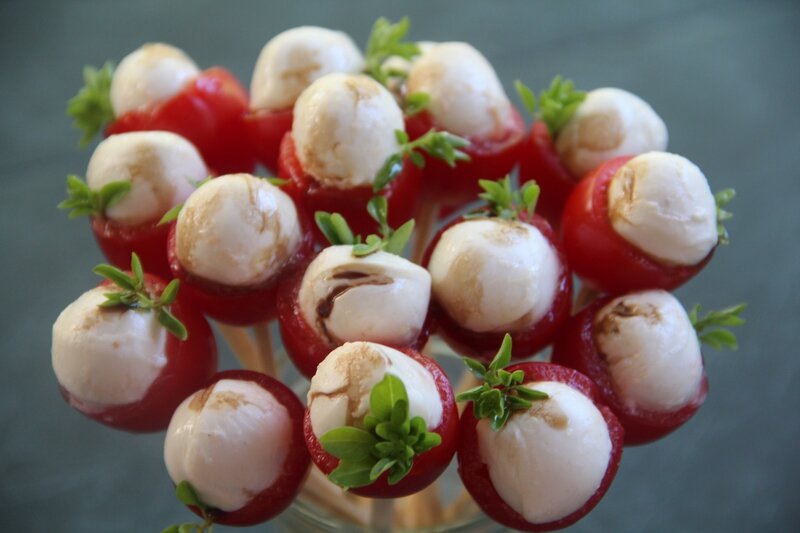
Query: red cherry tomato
<point>599,255</point>
<point>265,130</point>
<point>190,365</point>
<point>475,474</point>
<point>273,500</point>
<point>402,194</point>
<point>208,112</point>
<point>490,158</point>
<point>427,466</point>
<point>303,344</point>
<point>539,161</point>
<point>576,348</point>
<point>148,240</point>
<point>526,342</point>
<point>239,306</point>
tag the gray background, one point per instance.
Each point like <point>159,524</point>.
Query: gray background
<point>723,75</point>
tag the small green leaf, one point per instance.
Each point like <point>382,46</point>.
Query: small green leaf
<point>415,103</point>
<point>370,422</point>
<point>188,528</point>
<point>372,245</point>
<point>503,357</point>
<point>352,474</point>
<point>91,108</point>
<point>499,419</point>
<point>170,292</point>
<point>401,136</point>
<point>172,324</point>
<point>417,159</point>
<point>385,449</point>
<point>391,168</point>
<point>722,198</point>
<point>400,237</point>
<point>348,443</point>
<point>342,229</point>
<point>386,431</point>
<point>558,103</point>
<point>476,367</point>
<point>278,182</point>
<point>138,271</point>
<point>385,394</point>
<point>399,418</point>
<point>517,376</point>
<point>530,394</point>
<point>171,529</point>
<point>470,395</point>
<point>116,276</point>
<point>399,471</point>
<point>527,96</point>
<point>516,403</point>
<point>378,209</point>
<point>188,496</point>
<point>427,441</point>
<point>170,215</point>
<point>385,41</point>
<point>710,328</point>
<point>113,192</point>
<point>720,338</point>
<point>418,426</point>
<point>383,465</point>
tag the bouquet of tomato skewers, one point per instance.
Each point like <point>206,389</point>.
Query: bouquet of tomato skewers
<point>362,143</point>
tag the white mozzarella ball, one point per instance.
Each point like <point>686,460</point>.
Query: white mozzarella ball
<point>148,75</point>
<point>106,357</point>
<point>494,275</point>
<point>467,98</point>
<point>380,298</point>
<point>344,129</point>
<point>609,123</point>
<point>293,59</point>
<point>160,166</point>
<point>651,349</point>
<point>661,203</point>
<point>546,462</point>
<point>229,442</point>
<point>237,230</point>
<point>339,393</point>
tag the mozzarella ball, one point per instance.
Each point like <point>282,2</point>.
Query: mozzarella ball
<point>339,393</point>
<point>546,462</point>
<point>160,166</point>
<point>106,357</point>
<point>607,124</point>
<point>151,74</point>
<point>229,441</point>
<point>651,350</point>
<point>661,204</point>
<point>467,98</point>
<point>494,275</point>
<point>344,129</point>
<point>293,59</point>
<point>380,298</point>
<point>237,230</point>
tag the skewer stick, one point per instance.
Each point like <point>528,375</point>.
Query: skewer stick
<point>241,344</point>
<point>264,353</point>
<point>426,222</point>
<point>339,502</point>
<point>462,506</point>
<point>381,515</point>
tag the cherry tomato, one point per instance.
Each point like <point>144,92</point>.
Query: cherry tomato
<point>526,342</point>
<point>576,348</point>
<point>241,306</point>
<point>265,130</point>
<point>149,241</point>
<point>190,365</point>
<point>539,161</point>
<point>599,255</point>
<point>402,194</point>
<point>273,500</point>
<point>490,158</point>
<point>208,112</point>
<point>427,466</point>
<point>475,474</point>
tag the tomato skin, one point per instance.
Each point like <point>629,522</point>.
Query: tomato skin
<point>304,346</point>
<point>208,112</point>
<point>118,242</point>
<point>576,348</point>
<point>475,473</point>
<point>490,158</point>
<point>238,306</point>
<point>599,255</point>
<point>190,365</point>
<point>402,194</point>
<point>540,161</point>
<point>265,130</point>
<point>273,500</point>
<point>526,342</point>
<point>427,466</point>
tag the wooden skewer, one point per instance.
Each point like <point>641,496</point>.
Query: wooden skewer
<point>264,352</point>
<point>463,505</point>
<point>420,510</point>
<point>426,222</point>
<point>241,344</point>
<point>331,497</point>
<point>381,515</point>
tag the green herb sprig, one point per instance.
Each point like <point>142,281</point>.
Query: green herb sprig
<point>133,294</point>
<point>416,103</point>
<point>501,392</point>
<point>337,231</point>
<point>188,496</point>
<point>505,202</point>
<point>438,144</point>
<point>388,442</point>
<point>385,41</point>
<point>556,104</point>
<point>83,201</point>
<point>722,198</point>
<point>711,328</point>
<point>91,108</point>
